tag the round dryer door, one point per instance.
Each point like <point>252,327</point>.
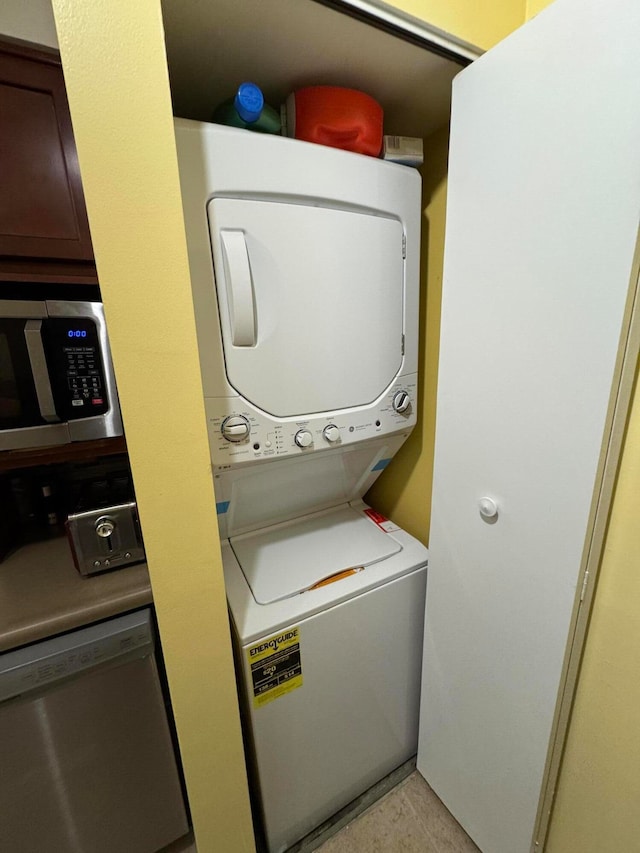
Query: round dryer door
<point>311,303</point>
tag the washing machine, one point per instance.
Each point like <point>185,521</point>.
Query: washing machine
<point>304,266</point>
<point>327,614</point>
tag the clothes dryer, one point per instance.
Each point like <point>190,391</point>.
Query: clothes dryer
<point>327,615</point>
<point>304,267</point>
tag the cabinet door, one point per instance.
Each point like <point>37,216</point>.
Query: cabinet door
<point>42,211</point>
<point>544,193</point>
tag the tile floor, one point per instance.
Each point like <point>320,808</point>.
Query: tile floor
<point>409,819</point>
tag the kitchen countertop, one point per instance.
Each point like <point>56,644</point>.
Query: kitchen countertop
<point>42,593</point>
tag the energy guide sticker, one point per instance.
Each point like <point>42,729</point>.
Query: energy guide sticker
<point>275,664</point>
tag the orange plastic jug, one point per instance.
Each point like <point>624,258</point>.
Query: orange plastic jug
<point>338,117</point>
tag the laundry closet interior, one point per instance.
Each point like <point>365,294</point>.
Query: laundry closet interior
<point>286,45</point>
<point>288,484</point>
<point>313,405</point>
<point>410,69</point>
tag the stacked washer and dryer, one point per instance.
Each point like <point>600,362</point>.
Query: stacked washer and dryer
<point>304,265</point>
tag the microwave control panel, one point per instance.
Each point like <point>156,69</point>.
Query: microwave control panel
<point>75,367</point>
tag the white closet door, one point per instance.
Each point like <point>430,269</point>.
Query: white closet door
<point>544,195</point>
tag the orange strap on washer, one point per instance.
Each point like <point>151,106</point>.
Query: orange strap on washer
<point>338,576</point>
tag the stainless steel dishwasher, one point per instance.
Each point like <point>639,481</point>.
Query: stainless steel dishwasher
<point>87,759</point>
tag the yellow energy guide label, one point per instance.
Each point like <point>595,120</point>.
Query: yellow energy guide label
<point>275,664</point>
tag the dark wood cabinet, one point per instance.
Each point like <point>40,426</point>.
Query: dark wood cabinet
<point>45,244</point>
<point>44,232</point>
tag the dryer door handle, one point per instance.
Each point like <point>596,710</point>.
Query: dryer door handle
<point>239,285</point>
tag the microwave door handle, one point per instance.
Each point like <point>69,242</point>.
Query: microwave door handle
<point>38,361</point>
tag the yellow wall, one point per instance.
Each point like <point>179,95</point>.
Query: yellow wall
<point>116,76</point>
<point>535,6</point>
<point>404,489</point>
<point>482,23</point>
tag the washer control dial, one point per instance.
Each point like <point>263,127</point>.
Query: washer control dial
<point>401,402</point>
<point>303,438</point>
<point>235,428</point>
<point>331,433</point>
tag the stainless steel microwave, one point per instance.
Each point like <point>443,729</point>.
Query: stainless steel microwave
<point>56,376</point>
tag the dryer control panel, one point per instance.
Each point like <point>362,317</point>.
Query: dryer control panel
<point>240,433</point>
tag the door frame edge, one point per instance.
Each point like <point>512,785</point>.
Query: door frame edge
<point>618,411</point>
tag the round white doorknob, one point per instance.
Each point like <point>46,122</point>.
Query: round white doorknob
<point>488,507</point>
<point>303,438</point>
<point>331,433</point>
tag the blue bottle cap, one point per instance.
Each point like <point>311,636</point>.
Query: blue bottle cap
<point>249,102</point>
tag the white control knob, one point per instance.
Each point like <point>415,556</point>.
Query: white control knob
<point>235,428</point>
<point>303,438</point>
<point>401,401</point>
<point>331,433</point>
<point>488,508</point>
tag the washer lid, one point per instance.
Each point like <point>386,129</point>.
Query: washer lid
<point>290,558</point>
